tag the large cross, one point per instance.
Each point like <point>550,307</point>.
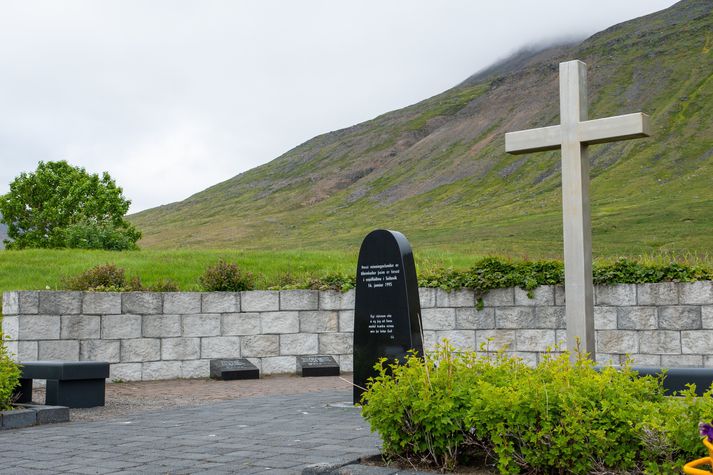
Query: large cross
<point>573,136</point>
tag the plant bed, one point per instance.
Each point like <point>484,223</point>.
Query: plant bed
<point>27,415</point>
<point>452,410</point>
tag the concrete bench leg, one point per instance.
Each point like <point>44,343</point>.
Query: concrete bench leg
<point>24,391</point>
<point>75,393</point>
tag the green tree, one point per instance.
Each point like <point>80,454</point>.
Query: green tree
<point>60,205</point>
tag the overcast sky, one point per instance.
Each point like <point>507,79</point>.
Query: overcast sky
<point>171,97</point>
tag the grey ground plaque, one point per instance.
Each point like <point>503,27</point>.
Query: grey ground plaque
<point>317,365</point>
<point>233,368</point>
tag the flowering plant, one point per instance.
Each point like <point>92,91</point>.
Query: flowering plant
<point>706,430</point>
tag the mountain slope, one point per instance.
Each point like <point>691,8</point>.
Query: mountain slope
<point>437,170</point>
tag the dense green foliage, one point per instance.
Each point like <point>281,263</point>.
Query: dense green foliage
<point>64,206</point>
<point>464,408</point>
<point>110,278</point>
<point>227,277</point>
<point>9,376</point>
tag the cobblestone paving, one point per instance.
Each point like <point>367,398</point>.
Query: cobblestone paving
<point>276,434</point>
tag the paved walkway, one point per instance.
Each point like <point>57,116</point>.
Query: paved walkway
<point>276,434</point>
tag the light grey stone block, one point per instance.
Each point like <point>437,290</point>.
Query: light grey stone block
<point>690,293</point>
<point>145,303</point>
<point>203,324</point>
<point>101,350</point>
<point>495,340</point>
<point>334,300</point>
<point>260,301</point>
<point>280,322</point>
<point>195,369</point>
<point>182,303</point>
<point>241,324</point>
<point>682,361</point>
<point>279,365</point>
<point>637,318</point>
<point>550,317</point>
<point>10,303</point>
<point>346,363</point>
<point>438,318</point>
<point>260,345</point>
<point>28,350</point>
<point>663,293</point>
<point>75,327</point>
<point>697,342</point>
<point>60,303</point>
<point>515,317</point>
<point>336,343</point>
<point>38,327</point>
<point>470,318</point>
<point>639,359</point>
<point>10,325</point>
<point>534,340</point>
<point>708,361</point>
<point>59,350</point>
<point>140,350</point>
<point>561,339</point>
<point>427,297</point>
<point>125,372</point>
<point>320,321</point>
<point>499,297</point>
<point>560,299</point>
<point>617,341</point>
<point>299,300</point>
<point>12,348</point>
<point>101,303</point>
<point>299,344</point>
<point>680,318</point>
<point>608,359</point>
<point>707,316</point>
<point>116,327</point>
<point>542,295</point>
<point>220,302</point>
<point>455,298</point>
<point>429,340</point>
<point>616,295</point>
<point>220,347</point>
<point>157,370</point>
<point>180,348</point>
<point>346,321</point>
<point>29,302</point>
<point>460,339</point>
<point>605,318</point>
<point>161,326</point>
<point>662,342</point>
<point>529,358</point>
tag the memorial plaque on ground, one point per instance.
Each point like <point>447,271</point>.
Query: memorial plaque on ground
<point>317,365</point>
<point>387,311</point>
<point>233,368</point>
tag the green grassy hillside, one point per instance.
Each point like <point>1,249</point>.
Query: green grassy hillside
<point>437,170</point>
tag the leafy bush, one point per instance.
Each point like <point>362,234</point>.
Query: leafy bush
<point>89,235</point>
<point>556,418</point>
<point>101,277</point>
<point>333,282</point>
<point>226,276</point>
<point>9,376</point>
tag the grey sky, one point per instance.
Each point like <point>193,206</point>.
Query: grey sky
<point>171,97</point>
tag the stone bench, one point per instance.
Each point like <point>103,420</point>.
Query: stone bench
<point>69,383</point>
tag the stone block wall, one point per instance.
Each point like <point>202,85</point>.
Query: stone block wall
<point>147,336</point>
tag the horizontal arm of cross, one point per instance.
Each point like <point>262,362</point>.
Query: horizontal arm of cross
<point>610,129</point>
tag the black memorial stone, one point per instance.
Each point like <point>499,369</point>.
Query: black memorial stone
<point>387,311</point>
<point>233,368</point>
<point>317,365</point>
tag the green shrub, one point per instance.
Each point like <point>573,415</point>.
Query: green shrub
<point>556,418</point>
<point>226,276</point>
<point>9,376</point>
<point>102,277</point>
<point>91,235</point>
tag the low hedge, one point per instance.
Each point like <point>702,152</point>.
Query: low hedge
<point>464,408</point>
<point>9,376</point>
